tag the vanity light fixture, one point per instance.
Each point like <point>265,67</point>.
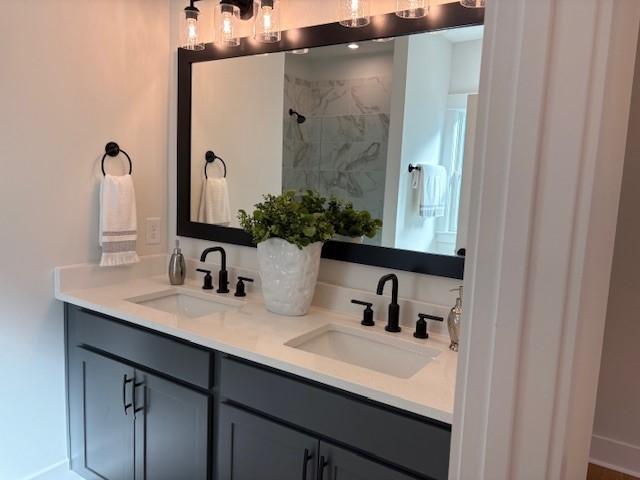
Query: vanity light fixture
<point>412,8</point>
<point>355,13</point>
<point>472,3</point>
<point>190,30</point>
<point>353,46</point>
<point>267,22</point>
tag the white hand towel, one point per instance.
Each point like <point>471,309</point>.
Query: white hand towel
<point>214,202</point>
<point>118,222</point>
<point>433,190</point>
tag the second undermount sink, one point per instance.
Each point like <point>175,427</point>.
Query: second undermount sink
<point>186,304</point>
<point>375,351</point>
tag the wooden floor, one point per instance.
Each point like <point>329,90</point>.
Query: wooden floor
<point>600,473</point>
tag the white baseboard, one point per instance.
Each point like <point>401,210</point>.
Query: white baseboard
<point>615,455</point>
<point>57,471</point>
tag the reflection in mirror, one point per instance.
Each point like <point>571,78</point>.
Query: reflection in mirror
<point>385,125</point>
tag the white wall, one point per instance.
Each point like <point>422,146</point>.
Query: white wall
<point>226,94</point>
<point>425,103</point>
<point>466,58</point>
<point>74,75</point>
<point>616,440</point>
<point>428,288</point>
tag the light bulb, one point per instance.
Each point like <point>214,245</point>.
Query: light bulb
<point>354,9</point>
<point>192,30</point>
<point>227,26</point>
<point>266,19</point>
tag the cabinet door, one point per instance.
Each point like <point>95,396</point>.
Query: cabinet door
<point>251,447</point>
<point>339,464</point>
<point>171,430</point>
<point>107,416</point>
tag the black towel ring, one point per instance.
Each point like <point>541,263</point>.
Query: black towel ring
<point>211,157</point>
<point>112,150</point>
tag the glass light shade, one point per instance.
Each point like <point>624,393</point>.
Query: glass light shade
<point>225,25</point>
<point>472,3</point>
<point>412,8</point>
<point>355,13</point>
<point>190,29</point>
<point>267,21</point>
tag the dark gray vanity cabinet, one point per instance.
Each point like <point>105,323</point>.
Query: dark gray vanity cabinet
<point>170,430</point>
<point>144,405</point>
<point>398,440</point>
<point>251,447</point>
<point>108,436</point>
<point>129,420</point>
<point>341,464</point>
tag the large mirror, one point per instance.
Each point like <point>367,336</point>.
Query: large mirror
<point>382,124</point>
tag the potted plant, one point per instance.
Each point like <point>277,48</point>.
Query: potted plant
<point>289,231</point>
<point>351,225</point>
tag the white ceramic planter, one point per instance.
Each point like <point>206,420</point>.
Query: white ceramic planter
<point>289,275</point>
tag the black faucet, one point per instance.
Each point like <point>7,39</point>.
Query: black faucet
<point>393,324</point>
<point>223,276</point>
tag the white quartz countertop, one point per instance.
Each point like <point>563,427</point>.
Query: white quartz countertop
<point>253,333</point>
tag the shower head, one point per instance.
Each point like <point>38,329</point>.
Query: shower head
<point>299,118</point>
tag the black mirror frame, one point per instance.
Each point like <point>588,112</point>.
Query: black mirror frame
<point>445,16</point>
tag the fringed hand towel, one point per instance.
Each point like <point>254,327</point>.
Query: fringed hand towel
<point>118,222</point>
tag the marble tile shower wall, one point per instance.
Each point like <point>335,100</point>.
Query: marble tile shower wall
<point>341,149</point>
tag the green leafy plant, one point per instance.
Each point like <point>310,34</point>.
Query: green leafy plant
<point>298,219</point>
<point>350,222</point>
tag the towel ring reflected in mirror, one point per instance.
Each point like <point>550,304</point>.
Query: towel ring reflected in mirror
<point>112,149</point>
<point>211,157</point>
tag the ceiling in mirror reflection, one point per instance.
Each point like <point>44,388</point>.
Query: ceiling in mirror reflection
<point>345,122</point>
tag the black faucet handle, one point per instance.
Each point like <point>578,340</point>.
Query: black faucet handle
<point>367,315</point>
<point>426,316</point>
<point>421,324</point>
<point>360,302</point>
<point>208,279</point>
<point>240,290</point>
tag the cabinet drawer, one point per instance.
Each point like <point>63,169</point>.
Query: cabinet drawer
<point>174,358</point>
<point>408,441</point>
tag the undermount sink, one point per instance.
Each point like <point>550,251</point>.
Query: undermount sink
<point>183,304</point>
<point>371,350</point>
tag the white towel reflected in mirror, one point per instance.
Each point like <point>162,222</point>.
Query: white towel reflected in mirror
<point>431,182</point>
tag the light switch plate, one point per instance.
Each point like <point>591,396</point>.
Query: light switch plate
<point>153,231</point>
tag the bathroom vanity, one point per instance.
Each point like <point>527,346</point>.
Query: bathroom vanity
<point>168,383</point>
